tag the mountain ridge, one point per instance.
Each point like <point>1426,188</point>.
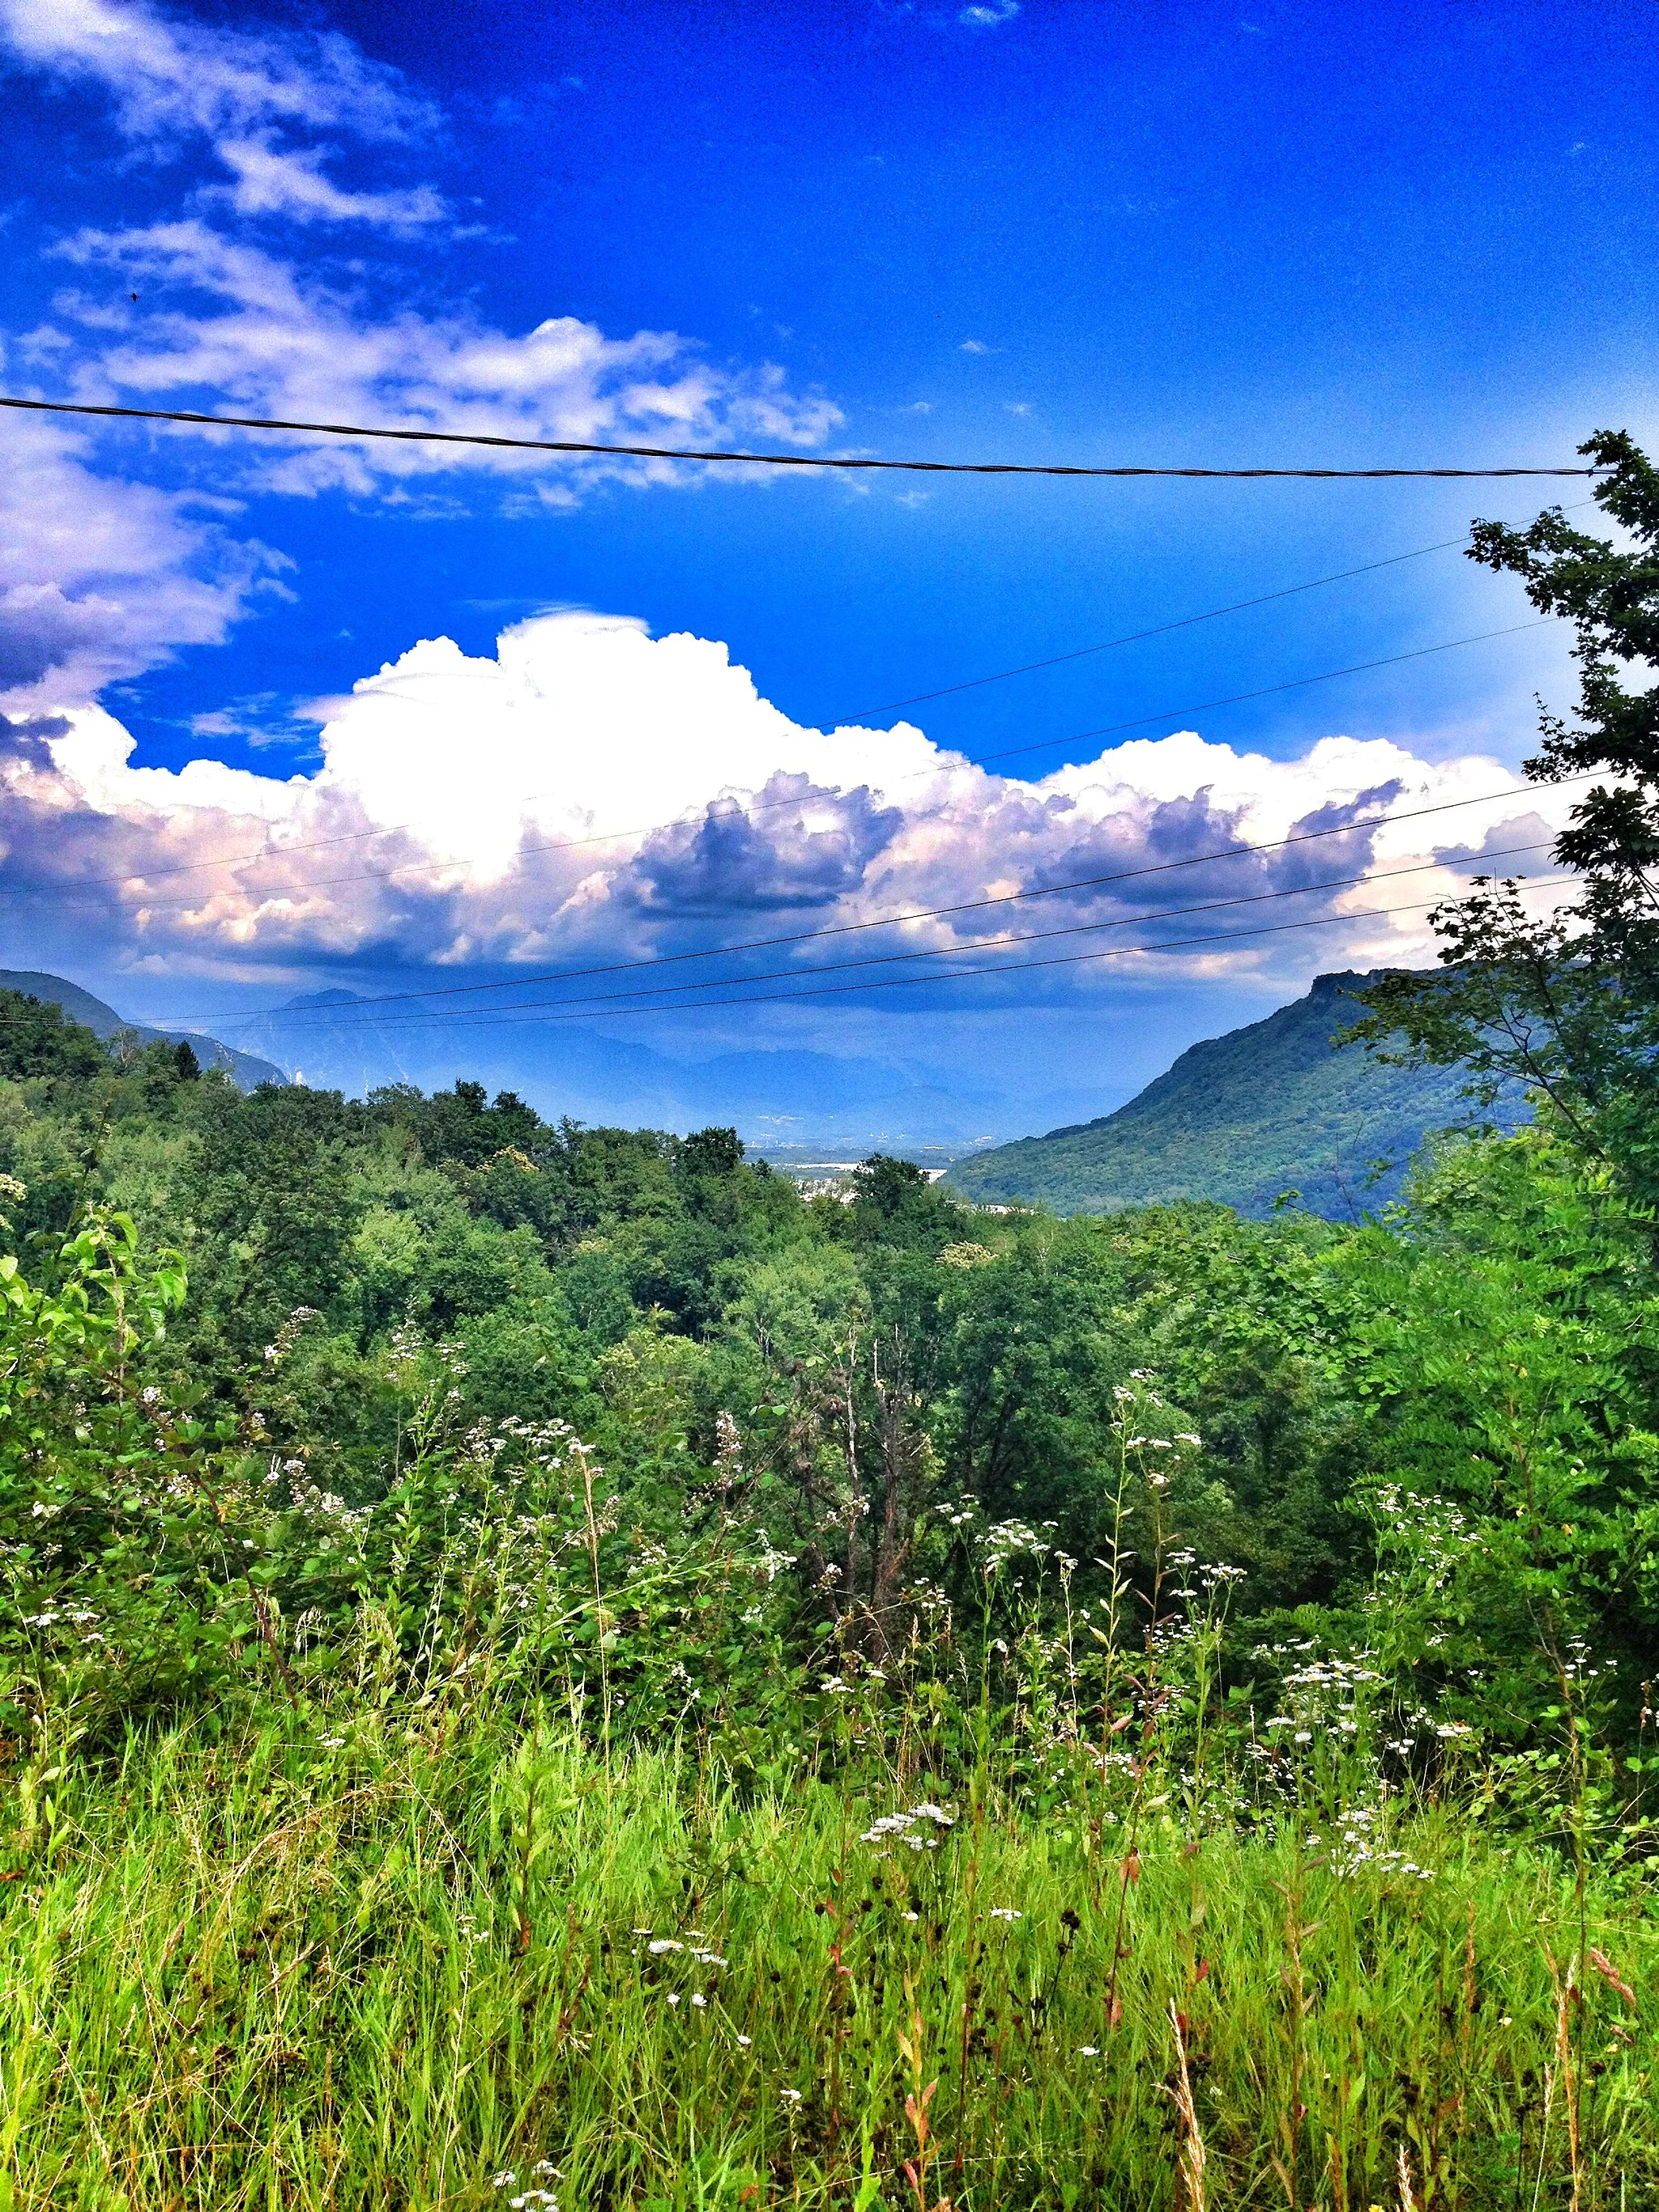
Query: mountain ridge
<point>1241,1118</point>
<point>245,1069</point>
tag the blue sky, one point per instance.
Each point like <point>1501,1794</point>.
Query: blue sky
<point>1201,235</point>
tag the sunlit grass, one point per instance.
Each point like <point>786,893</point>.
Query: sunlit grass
<point>387,1961</point>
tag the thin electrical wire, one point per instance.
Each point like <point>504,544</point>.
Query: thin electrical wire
<point>483,1017</point>
<point>892,921</point>
<point>700,453</point>
<point>1160,629</point>
<point>61,891</point>
<point>1017,968</point>
<point>1163,629</point>
<point>1267,691</point>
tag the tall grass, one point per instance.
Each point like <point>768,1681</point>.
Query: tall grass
<point>438,1955</point>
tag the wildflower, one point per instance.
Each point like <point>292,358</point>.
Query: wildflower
<point>699,2000</point>
<point>663,1943</point>
<point>504,2180</point>
<point>791,2096</point>
<point>1005,1912</point>
<point>913,1916</point>
<point>674,2000</point>
<point>743,2042</point>
<point>1088,2051</point>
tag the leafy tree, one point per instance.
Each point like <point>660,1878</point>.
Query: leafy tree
<point>1569,1003</point>
<point>37,1042</point>
<point>709,1152</point>
<point>271,1197</point>
<point>894,1203</point>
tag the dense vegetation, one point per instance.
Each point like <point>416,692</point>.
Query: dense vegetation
<point>1276,1106</point>
<point>246,1067</point>
<point>448,1556</point>
<point>539,1668</point>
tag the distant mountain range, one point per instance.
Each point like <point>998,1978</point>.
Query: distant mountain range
<point>789,1103</point>
<point>245,1069</point>
<point>1242,1118</point>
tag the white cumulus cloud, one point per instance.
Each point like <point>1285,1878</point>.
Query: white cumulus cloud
<point>592,793</point>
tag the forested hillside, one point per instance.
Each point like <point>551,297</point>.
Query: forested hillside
<point>245,1067</point>
<point>1274,1107</point>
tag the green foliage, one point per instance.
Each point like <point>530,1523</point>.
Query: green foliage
<point>512,1538</point>
<point>1568,1002</point>
<point>440,1956</point>
<point>39,1043</point>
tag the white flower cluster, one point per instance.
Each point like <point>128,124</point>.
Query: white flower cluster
<point>661,1947</point>
<point>1006,1540</point>
<point>543,2170</point>
<point>67,1617</point>
<point>901,1827</point>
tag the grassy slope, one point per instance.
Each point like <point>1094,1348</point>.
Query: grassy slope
<point>1239,1118</point>
<point>386,1962</point>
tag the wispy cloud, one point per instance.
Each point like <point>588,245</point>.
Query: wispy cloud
<point>101,577</point>
<point>271,180</point>
<point>277,341</point>
<point>248,93</point>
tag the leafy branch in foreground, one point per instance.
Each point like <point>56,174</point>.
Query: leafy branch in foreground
<point>1568,1003</point>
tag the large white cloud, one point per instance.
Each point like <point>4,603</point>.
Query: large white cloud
<point>592,793</point>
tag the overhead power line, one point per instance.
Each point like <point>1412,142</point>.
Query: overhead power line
<point>894,921</point>
<point>1139,636</point>
<point>485,1016</point>
<point>1163,629</point>
<point>1267,691</point>
<point>1015,968</point>
<point>701,453</point>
